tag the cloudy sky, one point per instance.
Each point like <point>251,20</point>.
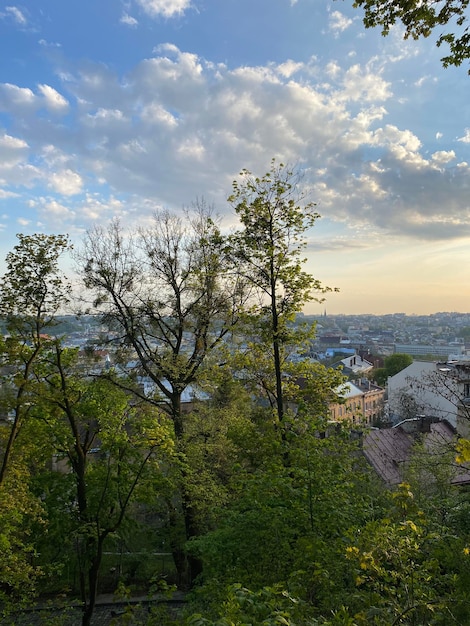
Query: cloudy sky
<point>112,108</point>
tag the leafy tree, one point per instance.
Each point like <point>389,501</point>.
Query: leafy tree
<point>403,573</point>
<point>20,513</point>
<point>393,364</point>
<point>167,292</point>
<point>284,526</point>
<point>108,445</point>
<point>32,292</point>
<point>268,249</point>
<point>420,18</point>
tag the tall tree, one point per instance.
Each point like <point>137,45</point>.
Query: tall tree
<point>268,251</point>
<point>420,18</point>
<point>107,445</point>
<point>166,291</point>
<point>32,292</point>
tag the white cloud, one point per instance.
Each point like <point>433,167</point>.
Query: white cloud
<point>289,68</point>
<point>128,20</point>
<point>339,22</point>
<point>164,8</point>
<point>95,208</point>
<point>13,155</point>
<point>57,210</point>
<point>177,127</point>
<point>54,101</point>
<point>16,14</point>
<point>12,143</point>
<point>362,84</point>
<point>7,194</point>
<point>466,137</point>
<point>66,182</point>
<point>49,44</point>
<point>442,157</point>
<point>17,100</point>
<point>14,98</point>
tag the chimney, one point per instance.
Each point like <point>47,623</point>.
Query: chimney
<point>424,424</point>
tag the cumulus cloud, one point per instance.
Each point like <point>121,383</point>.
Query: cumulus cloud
<point>14,167</point>
<point>164,8</point>
<point>177,127</point>
<point>442,157</point>
<point>55,211</point>
<point>66,182</point>
<point>22,101</point>
<point>466,137</point>
<point>53,100</point>
<point>14,98</point>
<point>339,22</point>
<point>9,143</point>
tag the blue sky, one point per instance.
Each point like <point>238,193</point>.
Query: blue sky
<point>112,108</point>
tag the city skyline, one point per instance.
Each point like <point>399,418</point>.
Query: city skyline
<point>118,109</point>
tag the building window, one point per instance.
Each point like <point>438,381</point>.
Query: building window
<point>466,390</point>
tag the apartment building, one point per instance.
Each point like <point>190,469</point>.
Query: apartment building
<point>359,401</point>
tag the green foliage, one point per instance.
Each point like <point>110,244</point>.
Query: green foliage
<point>270,606</point>
<point>20,512</point>
<point>270,245</point>
<point>285,527</point>
<point>278,505</point>
<point>420,18</point>
<point>32,291</point>
<point>401,576</point>
<point>397,362</point>
<point>393,364</point>
<point>33,288</point>
<point>268,254</point>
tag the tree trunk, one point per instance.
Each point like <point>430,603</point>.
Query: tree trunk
<point>192,565</point>
<point>93,572</point>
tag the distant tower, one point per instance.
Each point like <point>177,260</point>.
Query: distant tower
<point>324,313</point>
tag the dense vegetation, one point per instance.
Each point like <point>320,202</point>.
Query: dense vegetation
<point>243,493</point>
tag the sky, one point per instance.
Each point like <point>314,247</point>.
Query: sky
<point>116,109</point>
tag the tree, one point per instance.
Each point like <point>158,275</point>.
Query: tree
<point>274,218</point>
<point>107,446</point>
<point>32,292</point>
<point>167,292</point>
<point>285,529</point>
<point>420,18</point>
<point>393,364</point>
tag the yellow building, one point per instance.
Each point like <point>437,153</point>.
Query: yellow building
<point>361,402</point>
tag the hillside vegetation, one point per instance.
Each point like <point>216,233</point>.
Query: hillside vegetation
<point>188,449</point>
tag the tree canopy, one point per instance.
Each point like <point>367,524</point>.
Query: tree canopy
<point>393,364</point>
<point>420,19</point>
